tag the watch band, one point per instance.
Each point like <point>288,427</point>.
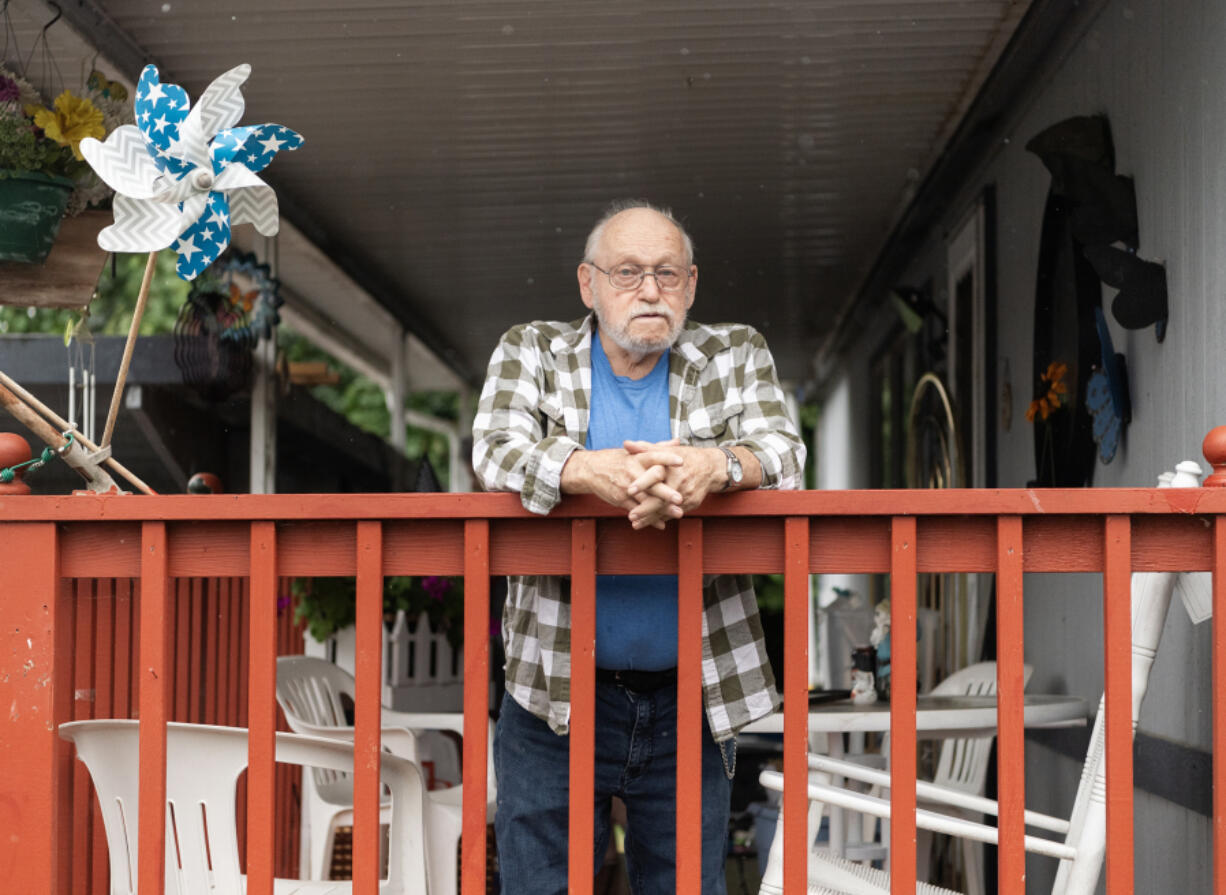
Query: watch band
<point>735,473</point>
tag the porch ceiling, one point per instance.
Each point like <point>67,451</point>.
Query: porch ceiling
<point>458,150</point>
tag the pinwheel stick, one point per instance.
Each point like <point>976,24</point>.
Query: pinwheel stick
<point>133,330</point>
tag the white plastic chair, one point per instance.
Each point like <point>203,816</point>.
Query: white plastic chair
<point>309,691</point>
<point>203,765</point>
<point>962,765</point>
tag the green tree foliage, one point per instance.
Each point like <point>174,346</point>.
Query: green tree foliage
<point>362,402</point>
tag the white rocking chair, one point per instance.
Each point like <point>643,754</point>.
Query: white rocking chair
<point>1082,851</point>
<point>203,764</point>
<point>1084,846</point>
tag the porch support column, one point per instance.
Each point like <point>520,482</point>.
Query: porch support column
<point>461,463</point>
<point>263,457</point>
<point>397,388</point>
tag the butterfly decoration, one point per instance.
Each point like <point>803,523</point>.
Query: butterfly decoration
<point>185,175</point>
<point>253,288</point>
<point>1107,396</point>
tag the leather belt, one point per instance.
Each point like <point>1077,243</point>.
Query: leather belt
<point>638,681</point>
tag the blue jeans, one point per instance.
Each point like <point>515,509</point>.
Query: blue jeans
<point>636,760</point>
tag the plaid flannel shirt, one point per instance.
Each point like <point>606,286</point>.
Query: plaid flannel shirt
<point>533,414</point>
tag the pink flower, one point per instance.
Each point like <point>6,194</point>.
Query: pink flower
<point>436,586</point>
<point>9,91</point>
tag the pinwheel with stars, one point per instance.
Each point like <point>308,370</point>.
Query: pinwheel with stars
<point>184,176</point>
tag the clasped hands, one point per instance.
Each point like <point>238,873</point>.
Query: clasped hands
<point>654,482</point>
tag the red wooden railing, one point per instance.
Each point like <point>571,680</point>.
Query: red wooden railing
<point>49,542</point>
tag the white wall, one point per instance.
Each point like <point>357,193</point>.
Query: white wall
<point>1156,71</point>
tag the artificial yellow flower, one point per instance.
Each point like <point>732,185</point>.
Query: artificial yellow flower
<point>73,119</point>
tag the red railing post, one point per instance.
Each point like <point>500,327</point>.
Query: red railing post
<point>154,703</point>
<point>368,685</point>
<point>1117,728</point>
<point>1010,682</point>
<point>476,702</point>
<point>582,703</point>
<point>36,691</point>
<point>261,708</point>
<point>903,568</point>
<point>1214,449</point>
<point>796,611</point>
<point>1219,704</point>
<point>689,705</point>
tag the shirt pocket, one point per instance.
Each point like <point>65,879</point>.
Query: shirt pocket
<point>716,424</point>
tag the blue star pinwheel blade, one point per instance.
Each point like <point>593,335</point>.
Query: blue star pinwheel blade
<point>160,109</point>
<point>203,241</point>
<point>263,144</point>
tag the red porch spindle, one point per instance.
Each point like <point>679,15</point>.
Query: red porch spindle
<point>689,706</point>
<point>1117,637</point>
<point>104,702</point>
<point>82,709</point>
<point>368,674</point>
<point>903,566</point>
<point>261,708</point>
<point>582,703</point>
<point>476,702</point>
<point>796,611</point>
<point>1010,682</point>
<point>154,704</point>
<point>180,615</point>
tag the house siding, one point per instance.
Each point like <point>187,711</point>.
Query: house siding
<point>1156,71</point>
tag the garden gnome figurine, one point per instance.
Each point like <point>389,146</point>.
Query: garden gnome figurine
<point>880,639</point>
<point>863,691</point>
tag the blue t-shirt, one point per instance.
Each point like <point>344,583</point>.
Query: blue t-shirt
<point>636,615</point>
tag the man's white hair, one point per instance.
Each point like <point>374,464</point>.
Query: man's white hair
<point>617,207</point>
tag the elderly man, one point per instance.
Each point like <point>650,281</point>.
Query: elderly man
<point>651,413</point>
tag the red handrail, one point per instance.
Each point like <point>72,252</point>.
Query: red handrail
<point>158,539</point>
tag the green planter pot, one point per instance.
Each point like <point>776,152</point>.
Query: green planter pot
<point>31,208</point>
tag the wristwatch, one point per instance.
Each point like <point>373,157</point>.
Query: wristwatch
<point>735,473</point>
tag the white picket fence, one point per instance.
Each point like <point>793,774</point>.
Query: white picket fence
<point>421,671</point>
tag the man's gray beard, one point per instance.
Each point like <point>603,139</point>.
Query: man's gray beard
<point>622,338</point>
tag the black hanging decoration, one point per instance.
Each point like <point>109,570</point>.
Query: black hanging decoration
<point>1103,207</point>
<point>213,341</point>
<point>1142,299</point>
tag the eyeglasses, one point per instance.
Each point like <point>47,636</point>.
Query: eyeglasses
<point>629,276</point>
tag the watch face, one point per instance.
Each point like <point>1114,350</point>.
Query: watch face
<point>734,467</point>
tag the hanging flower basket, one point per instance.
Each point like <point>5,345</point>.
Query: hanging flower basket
<point>31,208</point>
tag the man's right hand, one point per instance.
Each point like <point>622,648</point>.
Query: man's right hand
<point>609,474</point>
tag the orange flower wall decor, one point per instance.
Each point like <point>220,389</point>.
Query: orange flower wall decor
<point>1053,399</point>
